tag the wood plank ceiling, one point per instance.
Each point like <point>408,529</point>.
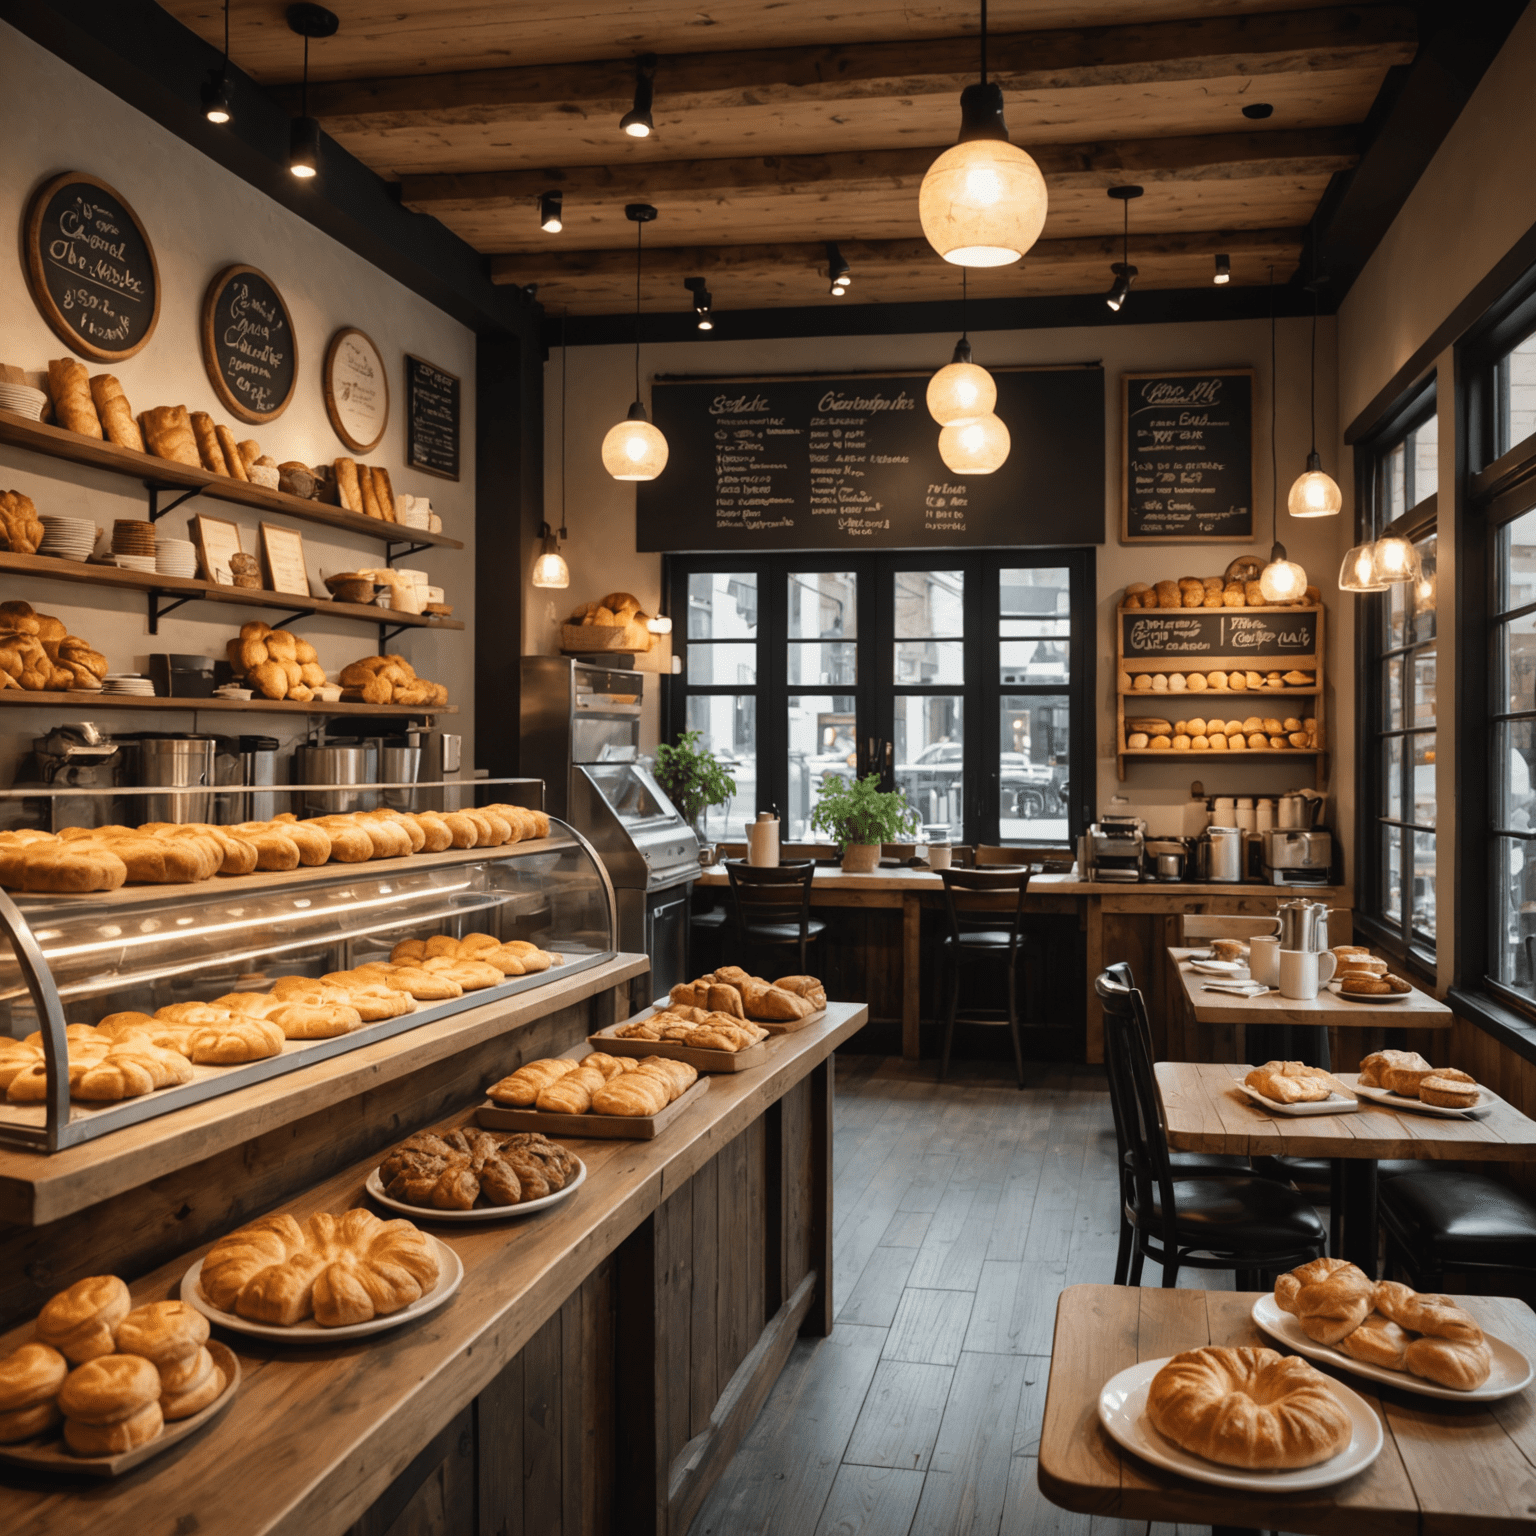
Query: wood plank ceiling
<point>781,127</point>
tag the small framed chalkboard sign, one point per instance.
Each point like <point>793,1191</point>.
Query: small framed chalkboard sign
<point>356,389</point>
<point>431,419</point>
<point>249,348</point>
<point>1186,457</point>
<point>91,268</point>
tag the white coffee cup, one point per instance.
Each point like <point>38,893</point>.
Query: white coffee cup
<point>1304,971</point>
<point>1264,959</point>
<point>940,855</point>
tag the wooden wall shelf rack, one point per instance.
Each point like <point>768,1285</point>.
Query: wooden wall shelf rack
<point>84,701</point>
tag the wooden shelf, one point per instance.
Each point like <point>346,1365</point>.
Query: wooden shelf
<point>185,589</point>
<point>1220,693</point>
<point>1257,754</point>
<point>162,474</point>
<point>84,701</point>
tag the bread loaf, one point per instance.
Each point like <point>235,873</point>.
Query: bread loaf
<point>70,390</point>
<point>168,434</point>
<point>114,412</point>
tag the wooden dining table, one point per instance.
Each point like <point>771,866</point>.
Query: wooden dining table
<point>1446,1469</point>
<point>1205,1110</point>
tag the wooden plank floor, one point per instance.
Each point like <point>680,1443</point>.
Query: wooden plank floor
<point>961,1211</point>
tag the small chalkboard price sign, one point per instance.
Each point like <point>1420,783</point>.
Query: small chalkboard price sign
<point>431,419</point>
<point>1187,457</point>
<point>91,268</point>
<point>1256,633</point>
<point>249,349</point>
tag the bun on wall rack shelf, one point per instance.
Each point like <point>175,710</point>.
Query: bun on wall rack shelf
<point>160,476</point>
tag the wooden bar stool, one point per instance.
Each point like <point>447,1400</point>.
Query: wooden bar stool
<point>978,934</point>
<point>772,907</point>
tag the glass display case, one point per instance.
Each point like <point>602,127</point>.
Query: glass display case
<point>76,959</point>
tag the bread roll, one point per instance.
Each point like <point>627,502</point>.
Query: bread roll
<point>81,1322</point>
<point>115,414</point>
<point>70,390</point>
<point>209,450</point>
<point>168,434</point>
<point>1328,1297</point>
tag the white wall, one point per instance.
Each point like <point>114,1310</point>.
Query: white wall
<point>601,520</point>
<point>200,219</point>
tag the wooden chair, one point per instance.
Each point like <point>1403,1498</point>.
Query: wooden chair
<point>773,906</point>
<point>977,935</point>
<point>1439,1219</point>
<point>1251,1225</point>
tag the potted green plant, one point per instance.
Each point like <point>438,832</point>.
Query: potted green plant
<point>693,778</point>
<point>859,816</point>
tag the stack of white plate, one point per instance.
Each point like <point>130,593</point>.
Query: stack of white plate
<point>70,538</point>
<point>144,563</point>
<point>175,557</point>
<point>127,682</point>
<point>23,400</point>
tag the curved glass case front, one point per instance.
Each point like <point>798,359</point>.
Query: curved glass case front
<point>79,958</point>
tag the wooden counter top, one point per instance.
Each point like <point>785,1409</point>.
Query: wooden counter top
<point>36,1188</point>
<point>315,1435</point>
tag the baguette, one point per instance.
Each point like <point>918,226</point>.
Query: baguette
<point>70,390</point>
<point>234,460</point>
<point>209,453</point>
<point>385,495</point>
<point>115,413</point>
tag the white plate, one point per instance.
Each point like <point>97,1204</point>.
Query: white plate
<point>1369,998</point>
<point>1511,1372</point>
<point>1390,1100</point>
<point>450,1273</point>
<point>1123,1413</point>
<point>1334,1104</point>
<point>1220,967</point>
<point>375,1187</point>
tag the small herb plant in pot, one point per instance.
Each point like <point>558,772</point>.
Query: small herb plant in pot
<point>693,779</point>
<point>859,816</point>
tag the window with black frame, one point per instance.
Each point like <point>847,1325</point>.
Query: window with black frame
<point>1399,720</point>
<point>964,681</point>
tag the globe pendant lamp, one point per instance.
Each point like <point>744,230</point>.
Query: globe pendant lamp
<point>634,449</point>
<point>1357,573</point>
<point>1394,560</point>
<point>961,391</point>
<point>977,446</point>
<point>1282,580</point>
<point>983,202</point>
<point>1315,494</point>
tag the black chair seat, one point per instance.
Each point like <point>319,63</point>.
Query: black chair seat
<point>1447,1218</point>
<point>1391,1167</point>
<point>1255,1215</point>
<point>782,933</point>
<point>1203,1165</point>
<point>985,939</point>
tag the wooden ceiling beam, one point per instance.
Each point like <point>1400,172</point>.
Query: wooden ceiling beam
<point>1202,157</point>
<point>1345,37</point>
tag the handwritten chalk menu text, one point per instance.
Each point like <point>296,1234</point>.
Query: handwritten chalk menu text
<point>431,419</point>
<point>249,349</point>
<point>1266,632</point>
<point>1187,447</point>
<point>853,463</point>
<point>91,268</point>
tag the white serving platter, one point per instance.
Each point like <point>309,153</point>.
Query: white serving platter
<point>1123,1413</point>
<point>1390,1100</point>
<point>1370,999</point>
<point>1232,968</point>
<point>1334,1104</point>
<point>1511,1373</point>
<point>450,1274</point>
<point>375,1187</point>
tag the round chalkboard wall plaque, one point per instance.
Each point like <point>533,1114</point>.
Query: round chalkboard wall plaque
<point>356,389</point>
<point>249,349</point>
<point>91,268</point>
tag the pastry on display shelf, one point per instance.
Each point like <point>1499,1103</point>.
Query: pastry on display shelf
<point>38,654</point>
<point>1235,588</point>
<point>617,623</point>
<point>388,680</point>
<point>21,530</point>
<point>696,1027</point>
<point>276,663</point>
<point>734,992</point>
<point>461,1169</point>
<point>1255,733</point>
<point>338,1269</point>
<point>599,1084</point>
<point>512,957</point>
<point>1250,1408</point>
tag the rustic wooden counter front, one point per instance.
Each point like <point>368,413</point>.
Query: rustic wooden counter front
<point>595,1371</point>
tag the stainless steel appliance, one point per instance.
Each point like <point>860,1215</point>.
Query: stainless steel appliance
<point>250,763</point>
<point>76,756</point>
<point>1303,925</point>
<point>183,763</point>
<point>334,764</point>
<point>442,758</point>
<point>1297,856</point>
<point>581,735</point>
<point>1169,858</point>
<point>397,760</point>
<point>1221,858</point>
<point>1116,846</point>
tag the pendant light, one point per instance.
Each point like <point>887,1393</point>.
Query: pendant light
<point>838,270</point>
<point>634,449</point>
<point>1357,573</point>
<point>217,107</point>
<point>552,211</point>
<point>637,121</point>
<point>1282,580</point>
<point>703,302</point>
<point>983,202</point>
<point>304,135</point>
<point>961,391</point>
<point>1223,273</point>
<point>1315,494</point>
<point>1394,560</point>
<point>977,446</point>
<point>550,569</point>
<point>1125,273</point>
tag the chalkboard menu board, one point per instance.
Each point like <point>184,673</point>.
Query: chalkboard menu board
<point>91,267</point>
<point>1256,632</point>
<point>1187,452</point>
<point>249,349</point>
<point>853,463</point>
<point>431,419</point>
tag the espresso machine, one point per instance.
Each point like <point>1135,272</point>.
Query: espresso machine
<point>1115,848</point>
<point>79,756</point>
<point>1298,851</point>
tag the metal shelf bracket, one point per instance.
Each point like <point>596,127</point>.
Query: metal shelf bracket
<point>158,608</point>
<point>404,552</point>
<point>156,511</point>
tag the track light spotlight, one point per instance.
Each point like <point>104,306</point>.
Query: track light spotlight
<point>550,207</point>
<point>1223,273</point>
<point>1120,289</point>
<point>304,148</point>
<point>1125,273</point>
<point>637,121</point>
<point>837,270</point>
<point>703,301</point>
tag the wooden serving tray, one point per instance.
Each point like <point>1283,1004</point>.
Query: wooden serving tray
<point>697,1056</point>
<point>789,1026</point>
<point>499,1117</point>
<point>52,1455</point>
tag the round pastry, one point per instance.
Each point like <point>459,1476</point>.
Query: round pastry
<point>202,1389</point>
<point>114,1438</point>
<point>81,1323</point>
<point>1377,1341</point>
<point>1364,984</point>
<point>109,1389</point>
<point>29,1379</point>
<point>316,1021</point>
<point>1349,964</point>
<point>239,1039</point>
<point>1449,1089</point>
<point>1250,1408</point>
<point>178,1375</point>
<point>1330,1298</point>
<point>18,1424</point>
<point>163,1331</point>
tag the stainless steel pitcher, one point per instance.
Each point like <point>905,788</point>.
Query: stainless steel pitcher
<point>1304,925</point>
